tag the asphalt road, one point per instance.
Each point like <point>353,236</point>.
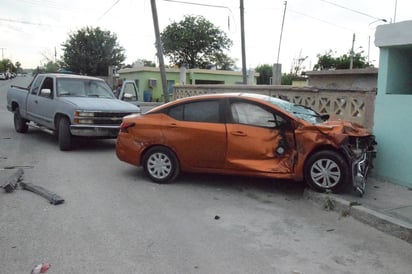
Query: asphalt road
<point>116,221</point>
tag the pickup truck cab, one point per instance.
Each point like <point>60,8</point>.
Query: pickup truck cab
<point>129,92</point>
<point>68,105</point>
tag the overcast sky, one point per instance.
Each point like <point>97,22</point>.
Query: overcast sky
<point>31,30</point>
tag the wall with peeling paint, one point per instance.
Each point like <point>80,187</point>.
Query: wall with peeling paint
<point>393,111</point>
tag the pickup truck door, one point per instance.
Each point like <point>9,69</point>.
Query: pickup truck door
<point>40,102</point>
<point>129,92</point>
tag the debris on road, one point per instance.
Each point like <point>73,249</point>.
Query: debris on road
<point>11,183</point>
<point>41,268</point>
<point>52,197</point>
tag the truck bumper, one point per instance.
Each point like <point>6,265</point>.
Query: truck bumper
<point>95,131</point>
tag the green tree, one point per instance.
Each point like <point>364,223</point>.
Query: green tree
<point>328,61</point>
<point>287,78</point>
<point>195,42</point>
<point>7,65</point>
<point>18,67</point>
<point>91,51</point>
<point>51,67</point>
<point>265,74</point>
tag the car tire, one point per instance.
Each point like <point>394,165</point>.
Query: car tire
<point>64,136</point>
<point>20,124</point>
<point>160,164</point>
<point>327,171</point>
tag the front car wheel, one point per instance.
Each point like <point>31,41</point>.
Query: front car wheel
<point>64,135</point>
<point>327,171</point>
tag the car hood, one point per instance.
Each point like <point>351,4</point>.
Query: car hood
<point>101,104</point>
<point>343,127</point>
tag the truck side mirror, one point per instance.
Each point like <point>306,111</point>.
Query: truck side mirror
<point>45,92</point>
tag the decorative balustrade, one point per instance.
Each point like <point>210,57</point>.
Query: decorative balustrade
<point>353,105</point>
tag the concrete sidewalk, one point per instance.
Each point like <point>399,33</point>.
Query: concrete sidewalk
<point>385,206</point>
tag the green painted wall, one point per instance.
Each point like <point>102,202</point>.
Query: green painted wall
<point>193,76</point>
<point>393,118</point>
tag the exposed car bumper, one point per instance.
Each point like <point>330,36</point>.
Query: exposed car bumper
<point>361,162</point>
<point>95,131</point>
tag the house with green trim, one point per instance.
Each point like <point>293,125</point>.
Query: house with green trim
<point>393,112</point>
<point>149,83</point>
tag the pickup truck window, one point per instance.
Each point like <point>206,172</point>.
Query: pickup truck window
<point>36,85</point>
<point>46,89</point>
<point>83,88</point>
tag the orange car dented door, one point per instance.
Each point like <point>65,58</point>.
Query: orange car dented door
<point>259,140</point>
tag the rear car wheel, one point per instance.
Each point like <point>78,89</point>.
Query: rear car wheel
<point>64,135</point>
<point>327,171</point>
<point>20,124</point>
<point>160,165</point>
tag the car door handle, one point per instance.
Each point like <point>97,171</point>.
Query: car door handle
<point>173,125</point>
<point>238,133</point>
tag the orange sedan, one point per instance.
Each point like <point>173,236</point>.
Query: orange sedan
<point>247,134</point>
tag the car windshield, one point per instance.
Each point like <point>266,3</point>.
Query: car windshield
<point>77,87</point>
<point>300,111</point>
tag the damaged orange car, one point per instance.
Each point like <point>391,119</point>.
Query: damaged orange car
<point>247,134</point>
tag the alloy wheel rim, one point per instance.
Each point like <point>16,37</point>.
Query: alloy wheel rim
<point>325,173</point>
<point>159,165</point>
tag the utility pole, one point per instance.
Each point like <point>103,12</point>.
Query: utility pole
<point>277,68</point>
<point>159,47</point>
<point>2,53</point>
<point>242,27</point>
<point>351,53</point>
<point>394,15</point>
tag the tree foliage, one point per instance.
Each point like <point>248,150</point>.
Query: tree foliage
<point>197,43</point>
<point>91,51</point>
<point>328,61</point>
<point>7,65</point>
<point>51,67</point>
<point>265,73</point>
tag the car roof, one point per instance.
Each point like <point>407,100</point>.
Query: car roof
<point>245,95</point>
<point>68,75</point>
<point>224,95</point>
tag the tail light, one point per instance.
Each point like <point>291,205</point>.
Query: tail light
<point>125,126</point>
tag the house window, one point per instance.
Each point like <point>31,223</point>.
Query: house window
<point>399,70</point>
<point>170,84</point>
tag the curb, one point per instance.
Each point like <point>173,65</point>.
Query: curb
<point>378,220</point>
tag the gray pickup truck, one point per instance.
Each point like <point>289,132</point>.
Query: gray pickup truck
<point>68,105</point>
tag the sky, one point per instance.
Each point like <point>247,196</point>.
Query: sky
<point>32,31</point>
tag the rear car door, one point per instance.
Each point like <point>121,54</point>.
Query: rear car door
<point>197,133</point>
<point>259,139</point>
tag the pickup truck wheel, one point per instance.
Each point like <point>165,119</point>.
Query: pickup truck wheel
<point>64,135</point>
<point>160,165</point>
<point>20,124</point>
<point>327,171</point>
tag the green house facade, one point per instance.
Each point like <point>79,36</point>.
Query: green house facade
<point>393,111</point>
<point>149,83</point>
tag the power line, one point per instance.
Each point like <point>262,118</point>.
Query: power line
<point>321,20</point>
<point>197,4</point>
<point>204,5</point>
<point>22,22</point>
<point>356,11</point>
<point>107,11</point>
